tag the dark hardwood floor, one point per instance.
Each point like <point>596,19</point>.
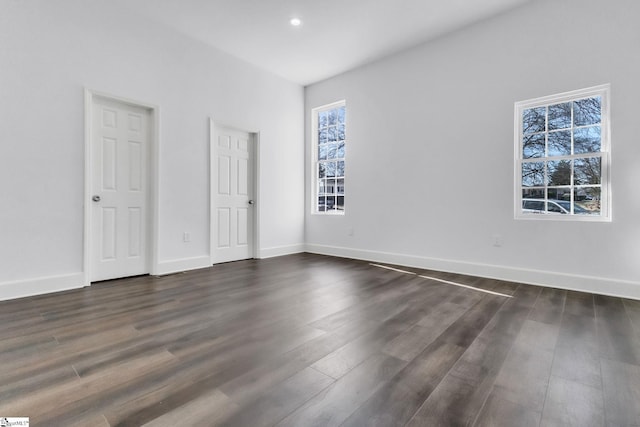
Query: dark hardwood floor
<point>309,340</point>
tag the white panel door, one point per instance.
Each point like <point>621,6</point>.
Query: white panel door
<point>232,190</point>
<point>119,156</point>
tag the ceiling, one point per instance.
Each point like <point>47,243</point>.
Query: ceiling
<point>335,35</point>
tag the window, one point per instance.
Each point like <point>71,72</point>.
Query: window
<point>328,124</point>
<point>562,156</point>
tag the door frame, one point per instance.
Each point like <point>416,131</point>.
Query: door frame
<point>254,142</point>
<point>152,179</point>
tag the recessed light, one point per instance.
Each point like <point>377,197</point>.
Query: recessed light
<point>296,22</point>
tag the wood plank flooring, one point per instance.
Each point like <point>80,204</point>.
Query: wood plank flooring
<point>310,340</point>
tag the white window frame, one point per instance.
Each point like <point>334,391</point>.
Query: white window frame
<point>605,152</point>
<point>315,161</point>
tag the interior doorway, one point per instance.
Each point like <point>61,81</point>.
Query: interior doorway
<point>119,188</point>
<point>233,194</point>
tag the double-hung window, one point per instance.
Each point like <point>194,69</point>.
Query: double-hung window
<point>562,156</point>
<point>328,158</point>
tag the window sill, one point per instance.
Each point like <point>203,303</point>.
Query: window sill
<point>328,213</point>
<point>562,218</point>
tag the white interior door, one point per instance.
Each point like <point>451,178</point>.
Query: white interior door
<point>119,156</point>
<point>232,192</point>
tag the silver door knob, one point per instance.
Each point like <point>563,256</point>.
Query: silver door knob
<point>251,202</point>
<point>96,198</point>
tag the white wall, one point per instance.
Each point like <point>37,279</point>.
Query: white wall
<point>429,176</point>
<point>49,52</point>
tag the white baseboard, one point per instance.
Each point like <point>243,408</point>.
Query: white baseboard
<point>596,285</point>
<point>186,264</point>
<point>281,250</point>
<point>179,265</point>
<point>40,285</point>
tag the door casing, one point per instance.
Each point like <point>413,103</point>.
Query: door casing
<point>152,179</point>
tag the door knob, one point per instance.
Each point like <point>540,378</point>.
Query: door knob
<point>251,202</point>
<point>96,198</point>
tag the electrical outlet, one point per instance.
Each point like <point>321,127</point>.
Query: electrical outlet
<point>186,237</point>
<point>349,231</point>
<point>497,240</point>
